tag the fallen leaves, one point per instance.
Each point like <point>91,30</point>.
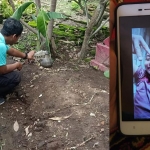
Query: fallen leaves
<point>92,115</point>
<point>40,95</point>
<point>81,144</point>
<point>60,118</point>
<point>16,126</point>
<point>27,130</point>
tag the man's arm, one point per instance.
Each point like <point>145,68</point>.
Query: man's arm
<point>17,53</point>
<point>10,67</point>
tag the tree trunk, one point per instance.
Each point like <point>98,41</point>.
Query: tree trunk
<point>12,4</point>
<point>88,32</point>
<point>38,5</point>
<point>51,23</point>
<point>50,30</point>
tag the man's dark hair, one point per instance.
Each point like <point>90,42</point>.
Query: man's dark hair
<point>12,26</point>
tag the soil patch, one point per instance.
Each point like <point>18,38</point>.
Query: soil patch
<point>63,107</point>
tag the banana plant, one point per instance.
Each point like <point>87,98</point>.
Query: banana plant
<point>18,13</point>
<point>41,20</point>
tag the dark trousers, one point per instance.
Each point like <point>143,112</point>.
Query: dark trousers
<point>8,82</point>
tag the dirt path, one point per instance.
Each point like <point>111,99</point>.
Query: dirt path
<point>66,108</point>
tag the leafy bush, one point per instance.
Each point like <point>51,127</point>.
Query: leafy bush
<point>105,31</point>
<point>74,5</point>
<point>5,9</point>
<point>26,42</point>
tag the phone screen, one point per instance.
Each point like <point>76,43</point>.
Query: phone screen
<point>135,67</point>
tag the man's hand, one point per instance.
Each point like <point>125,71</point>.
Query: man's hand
<point>19,65</point>
<point>31,55</point>
<point>10,67</point>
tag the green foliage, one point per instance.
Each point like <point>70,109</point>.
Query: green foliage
<point>63,33</point>
<point>55,15</point>
<point>18,13</point>
<point>26,42</point>
<point>92,52</point>
<point>88,59</point>
<point>75,30</point>
<point>40,22</point>
<point>42,19</point>
<point>30,10</point>
<point>74,5</point>
<point>65,26</point>
<point>5,9</point>
<point>32,23</point>
<point>105,31</point>
<point>70,33</point>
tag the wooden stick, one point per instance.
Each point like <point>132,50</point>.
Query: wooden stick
<point>81,144</point>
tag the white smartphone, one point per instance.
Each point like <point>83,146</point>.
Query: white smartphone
<point>133,54</point>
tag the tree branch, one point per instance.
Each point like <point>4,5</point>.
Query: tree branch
<point>88,32</point>
<point>11,3</point>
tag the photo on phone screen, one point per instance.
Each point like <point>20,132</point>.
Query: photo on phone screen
<point>141,72</point>
<point>135,67</point>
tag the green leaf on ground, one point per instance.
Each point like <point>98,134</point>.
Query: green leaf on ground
<point>106,74</point>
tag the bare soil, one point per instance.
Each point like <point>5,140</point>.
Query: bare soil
<point>65,107</point>
<point>61,108</point>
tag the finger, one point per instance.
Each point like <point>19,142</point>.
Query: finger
<point>137,49</point>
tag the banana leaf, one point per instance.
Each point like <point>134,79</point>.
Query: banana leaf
<point>42,19</point>
<point>18,13</point>
<point>55,15</point>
